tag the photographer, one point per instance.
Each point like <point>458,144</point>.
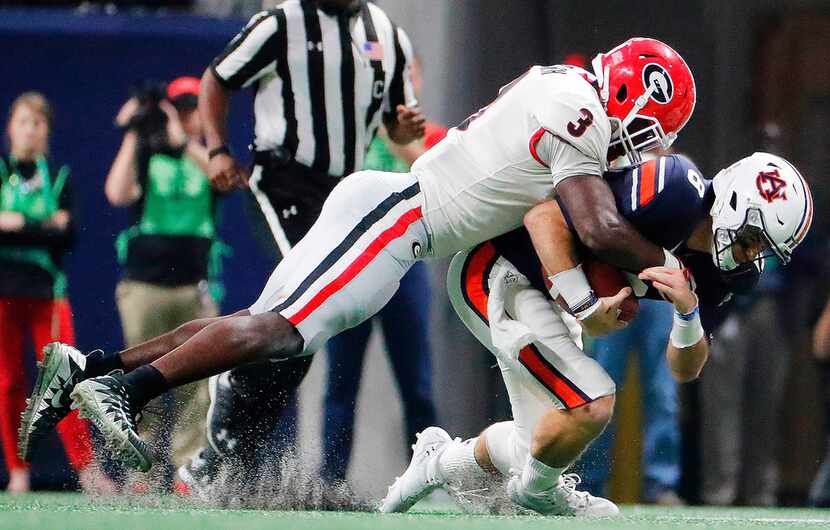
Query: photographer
<point>159,173</point>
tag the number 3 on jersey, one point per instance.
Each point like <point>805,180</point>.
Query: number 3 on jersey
<point>585,120</point>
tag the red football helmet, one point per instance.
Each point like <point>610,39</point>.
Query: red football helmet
<point>648,92</point>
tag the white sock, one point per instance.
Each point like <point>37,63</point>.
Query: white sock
<point>458,462</point>
<point>503,448</point>
<point>538,477</point>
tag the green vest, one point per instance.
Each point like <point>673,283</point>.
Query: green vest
<point>380,158</point>
<point>36,205</point>
<point>178,201</point>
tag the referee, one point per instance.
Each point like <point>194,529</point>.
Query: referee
<point>327,73</point>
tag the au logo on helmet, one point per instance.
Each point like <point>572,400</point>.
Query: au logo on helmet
<point>658,79</point>
<point>771,186</point>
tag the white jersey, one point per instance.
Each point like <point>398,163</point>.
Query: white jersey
<point>479,182</point>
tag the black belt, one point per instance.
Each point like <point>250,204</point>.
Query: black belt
<point>282,175</point>
<point>276,158</point>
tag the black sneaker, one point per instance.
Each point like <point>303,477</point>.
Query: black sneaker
<point>105,401</point>
<point>60,370</point>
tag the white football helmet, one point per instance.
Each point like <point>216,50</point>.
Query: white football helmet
<point>760,200</point>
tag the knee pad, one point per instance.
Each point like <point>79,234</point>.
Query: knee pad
<point>505,449</point>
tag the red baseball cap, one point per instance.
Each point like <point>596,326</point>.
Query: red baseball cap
<point>184,91</point>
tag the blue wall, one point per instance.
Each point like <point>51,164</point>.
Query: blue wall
<point>85,66</point>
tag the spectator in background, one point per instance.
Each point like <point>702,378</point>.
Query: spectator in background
<point>160,172</point>
<point>36,230</point>
<point>405,324</point>
<point>647,336</point>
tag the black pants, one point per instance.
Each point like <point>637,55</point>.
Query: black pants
<point>285,201</point>
<point>288,199</point>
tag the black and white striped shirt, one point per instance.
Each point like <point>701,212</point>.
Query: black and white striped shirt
<point>319,93</point>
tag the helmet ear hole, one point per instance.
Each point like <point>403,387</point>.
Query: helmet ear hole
<point>622,93</point>
<point>733,202</point>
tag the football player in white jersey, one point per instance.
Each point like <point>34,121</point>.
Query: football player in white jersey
<point>561,398</point>
<point>551,131</point>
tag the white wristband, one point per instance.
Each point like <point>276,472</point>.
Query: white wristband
<point>573,285</point>
<point>686,330</point>
<point>589,310</point>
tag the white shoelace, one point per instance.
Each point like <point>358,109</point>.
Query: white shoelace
<point>576,499</point>
<point>469,500</point>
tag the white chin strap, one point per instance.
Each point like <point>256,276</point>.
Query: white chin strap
<point>639,104</point>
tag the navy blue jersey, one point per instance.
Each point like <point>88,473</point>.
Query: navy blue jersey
<point>664,199</point>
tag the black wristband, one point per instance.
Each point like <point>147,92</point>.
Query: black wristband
<point>221,150</point>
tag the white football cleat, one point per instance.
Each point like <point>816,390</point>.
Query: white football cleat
<point>562,499</point>
<point>422,476</point>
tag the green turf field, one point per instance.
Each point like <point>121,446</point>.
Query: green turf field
<point>71,511</point>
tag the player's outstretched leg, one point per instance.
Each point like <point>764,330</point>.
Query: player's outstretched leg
<point>63,367</point>
<point>344,270</point>
<point>112,402</point>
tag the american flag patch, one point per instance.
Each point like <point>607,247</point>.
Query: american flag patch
<point>373,50</point>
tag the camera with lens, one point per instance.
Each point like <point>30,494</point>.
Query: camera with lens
<point>149,121</point>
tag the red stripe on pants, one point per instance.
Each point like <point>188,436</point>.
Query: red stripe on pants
<point>478,263</point>
<point>48,321</point>
<point>364,259</point>
<point>531,359</point>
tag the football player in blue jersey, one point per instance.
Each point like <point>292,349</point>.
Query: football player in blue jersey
<point>723,229</point>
